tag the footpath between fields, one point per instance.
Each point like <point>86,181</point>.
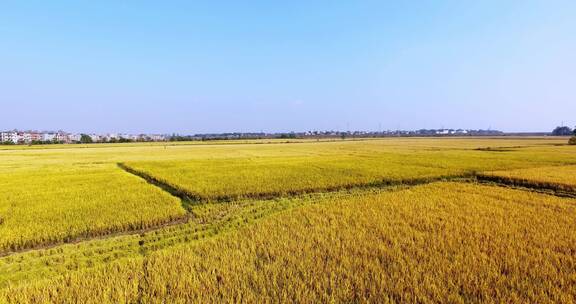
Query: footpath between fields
<point>188,200</point>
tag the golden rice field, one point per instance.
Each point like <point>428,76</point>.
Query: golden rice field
<point>346,166</point>
<point>442,242</point>
<point>270,177</point>
<point>555,178</point>
<point>39,207</point>
<point>397,220</point>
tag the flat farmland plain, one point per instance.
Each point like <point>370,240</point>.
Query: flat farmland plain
<point>40,207</point>
<point>442,242</point>
<point>554,178</point>
<point>333,166</point>
<point>377,220</point>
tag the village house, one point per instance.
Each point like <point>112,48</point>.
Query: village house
<point>48,136</point>
<point>9,136</point>
<point>62,137</point>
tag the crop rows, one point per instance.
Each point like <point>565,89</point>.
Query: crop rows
<point>360,243</point>
<point>299,168</point>
<point>229,179</point>
<point>557,178</point>
<point>209,220</point>
<point>442,242</point>
<point>46,206</point>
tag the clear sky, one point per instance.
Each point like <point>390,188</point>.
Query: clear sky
<point>186,67</point>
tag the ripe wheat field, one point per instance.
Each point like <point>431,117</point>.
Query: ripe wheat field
<point>396,220</point>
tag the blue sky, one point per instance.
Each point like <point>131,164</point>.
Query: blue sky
<point>180,66</point>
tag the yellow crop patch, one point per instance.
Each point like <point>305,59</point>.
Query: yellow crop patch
<point>442,242</point>
<point>557,177</point>
<point>54,205</point>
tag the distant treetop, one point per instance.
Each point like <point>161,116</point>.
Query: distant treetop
<point>562,131</point>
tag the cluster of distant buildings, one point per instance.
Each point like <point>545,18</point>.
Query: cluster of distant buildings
<point>49,137</point>
<point>421,132</point>
<point>335,134</point>
<point>395,133</point>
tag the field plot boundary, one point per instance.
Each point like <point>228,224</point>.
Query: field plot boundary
<point>146,264</point>
<point>188,199</point>
<point>90,237</point>
<point>147,238</point>
<point>140,228</point>
<point>194,197</point>
<point>185,198</point>
<point>527,185</point>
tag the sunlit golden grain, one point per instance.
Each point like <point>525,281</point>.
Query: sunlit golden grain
<point>443,242</point>
<point>354,239</point>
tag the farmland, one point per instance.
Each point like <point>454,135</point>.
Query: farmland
<point>553,178</point>
<point>334,166</point>
<point>379,220</point>
<point>53,205</point>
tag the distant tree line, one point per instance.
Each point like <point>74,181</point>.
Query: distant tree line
<point>85,139</point>
<point>562,131</point>
<point>176,137</point>
<point>565,131</point>
<point>286,135</point>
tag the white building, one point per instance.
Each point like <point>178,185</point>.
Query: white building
<point>95,137</point>
<point>9,136</point>
<point>156,137</point>
<point>28,137</point>
<point>25,137</point>
<point>48,136</point>
<point>62,137</point>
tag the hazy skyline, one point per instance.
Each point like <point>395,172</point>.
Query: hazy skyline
<point>175,66</point>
